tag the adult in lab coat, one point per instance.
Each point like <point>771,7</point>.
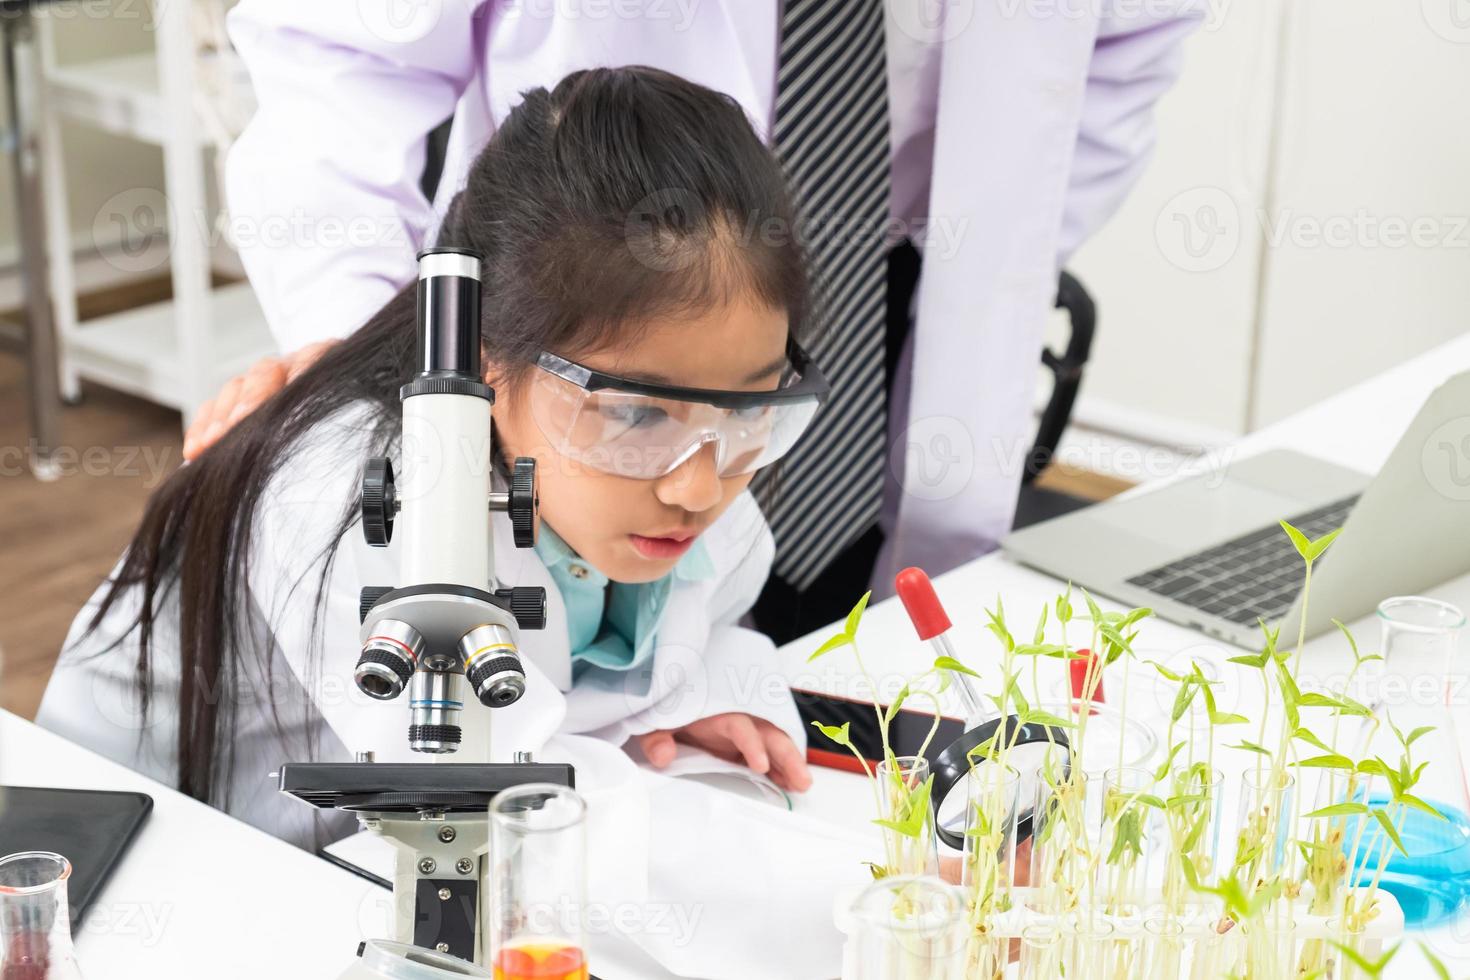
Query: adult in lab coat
<point>702,882</point>
<point>1016,127</point>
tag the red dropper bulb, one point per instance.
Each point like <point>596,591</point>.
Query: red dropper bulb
<point>1078,670</point>
<point>922,603</point>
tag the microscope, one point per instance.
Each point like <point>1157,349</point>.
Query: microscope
<point>445,628</point>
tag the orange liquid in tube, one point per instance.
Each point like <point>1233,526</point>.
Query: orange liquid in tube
<point>540,961</point>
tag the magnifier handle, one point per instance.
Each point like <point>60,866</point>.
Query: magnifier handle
<point>963,683</point>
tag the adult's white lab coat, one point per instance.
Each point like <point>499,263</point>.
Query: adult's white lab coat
<point>1017,127</point>
<point>707,883</point>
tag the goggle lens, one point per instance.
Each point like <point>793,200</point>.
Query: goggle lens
<point>645,437</point>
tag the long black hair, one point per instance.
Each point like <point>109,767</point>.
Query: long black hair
<point>620,195</point>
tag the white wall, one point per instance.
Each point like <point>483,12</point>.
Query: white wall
<point>1302,116</point>
<point>1372,202</point>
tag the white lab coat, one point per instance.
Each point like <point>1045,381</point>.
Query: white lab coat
<point>724,887</point>
<point>1017,127</point>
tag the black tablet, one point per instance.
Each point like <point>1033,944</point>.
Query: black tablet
<point>90,828</point>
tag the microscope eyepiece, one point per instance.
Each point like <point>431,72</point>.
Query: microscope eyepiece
<point>388,659</point>
<point>492,665</point>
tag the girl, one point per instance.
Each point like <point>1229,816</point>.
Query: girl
<point>626,223</point>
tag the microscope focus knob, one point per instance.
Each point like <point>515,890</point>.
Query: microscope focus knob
<point>525,502</point>
<point>368,598</point>
<point>527,605</point>
<point>379,502</point>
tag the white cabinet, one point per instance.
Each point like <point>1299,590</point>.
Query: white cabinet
<point>180,351</point>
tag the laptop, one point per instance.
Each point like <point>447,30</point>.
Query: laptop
<point>1207,551</point>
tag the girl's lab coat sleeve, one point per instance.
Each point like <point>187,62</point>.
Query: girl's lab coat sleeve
<point>323,185</point>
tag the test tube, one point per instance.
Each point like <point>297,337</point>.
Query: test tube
<point>538,883</point>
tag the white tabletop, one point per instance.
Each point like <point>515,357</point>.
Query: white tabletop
<point>198,893</point>
<point>199,889</point>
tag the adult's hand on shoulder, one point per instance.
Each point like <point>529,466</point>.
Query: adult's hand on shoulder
<point>244,393</point>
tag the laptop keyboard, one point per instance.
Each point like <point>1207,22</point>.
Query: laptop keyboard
<point>1250,577</point>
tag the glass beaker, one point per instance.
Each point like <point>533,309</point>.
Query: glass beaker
<point>1422,687</point>
<point>538,883</point>
<point>906,928</point>
<point>35,924</point>
<point>1418,642</point>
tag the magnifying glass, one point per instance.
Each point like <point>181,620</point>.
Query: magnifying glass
<point>965,765</point>
<point>963,770</point>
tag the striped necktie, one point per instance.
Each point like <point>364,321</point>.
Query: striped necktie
<point>831,134</point>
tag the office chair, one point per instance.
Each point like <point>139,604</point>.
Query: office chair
<point>1035,504</point>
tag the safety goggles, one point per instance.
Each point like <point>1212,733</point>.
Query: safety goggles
<point>645,431</point>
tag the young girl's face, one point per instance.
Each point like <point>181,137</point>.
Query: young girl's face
<point>608,519</point>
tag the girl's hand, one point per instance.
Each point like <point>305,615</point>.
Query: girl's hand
<point>735,737</point>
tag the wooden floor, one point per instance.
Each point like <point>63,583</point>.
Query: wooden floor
<point>58,540</point>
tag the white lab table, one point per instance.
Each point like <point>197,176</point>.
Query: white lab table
<point>200,893</point>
